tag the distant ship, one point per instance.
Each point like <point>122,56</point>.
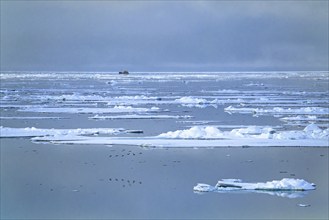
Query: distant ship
<point>125,72</point>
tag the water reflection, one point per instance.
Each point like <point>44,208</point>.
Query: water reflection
<point>284,194</point>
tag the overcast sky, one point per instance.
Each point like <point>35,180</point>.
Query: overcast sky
<point>164,35</point>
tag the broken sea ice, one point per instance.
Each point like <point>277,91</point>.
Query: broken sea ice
<point>285,184</point>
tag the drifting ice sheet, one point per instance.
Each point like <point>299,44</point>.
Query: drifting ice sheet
<point>60,133</point>
<point>305,118</point>
<point>189,101</point>
<point>112,117</point>
<point>30,118</point>
<point>287,187</point>
<point>116,109</point>
<point>279,110</point>
<point>210,136</point>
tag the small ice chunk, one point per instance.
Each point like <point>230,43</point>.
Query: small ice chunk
<point>232,180</point>
<point>312,128</point>
<point>191,100</point>
<point>202,187</point>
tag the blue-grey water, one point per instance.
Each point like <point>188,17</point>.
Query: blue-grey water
<point>47,181</point>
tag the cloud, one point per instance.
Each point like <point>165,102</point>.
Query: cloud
<point>159,35</point>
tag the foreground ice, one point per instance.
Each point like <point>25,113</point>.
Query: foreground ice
<point>286,187</point>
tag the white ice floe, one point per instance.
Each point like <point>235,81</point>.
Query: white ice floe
<point>286,187</point>
<point>135,100</point>
<point>115,109</point>
<point>305,118</point>
<point>185,143</point>
<point>29,118</point>
<point>202,187</point>
<point>71,97</point>
<point>210,136</point>
<point>280,110</point>
<point>60,134</point>
<point>312,131</point>
<point>113,117</point>
<point>136,97</point>
<point>189,101</point>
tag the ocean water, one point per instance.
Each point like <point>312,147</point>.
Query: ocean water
<point>49,179</point>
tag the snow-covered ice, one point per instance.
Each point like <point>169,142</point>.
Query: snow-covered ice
<point>59,133</point>
<point>196,132</point>
<point>305,119</point>
<point>190,100</point>
<point>285,184</point>
<point>30,118</point>
<point>279,110</point>
<point>311,131</point>
<point>286,187</point>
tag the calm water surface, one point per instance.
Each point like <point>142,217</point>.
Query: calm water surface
<point>43,181</point>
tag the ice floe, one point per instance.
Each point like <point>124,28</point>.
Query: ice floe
<point>286,187</point>
<point>195,137</point>
<point>136,97</point>
<point>115,109</point>
<point>59,133</point>
<point>113,117</point>
<point>153,142</point>
<point>305,118</point>
<point>312,131</point>
<point>279,110</point>
<point>30,118</point>
<point>189,101</point>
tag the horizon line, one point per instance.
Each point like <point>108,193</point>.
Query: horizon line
<point>235,71</point>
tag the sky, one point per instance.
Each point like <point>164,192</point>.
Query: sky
<point>164,35</point>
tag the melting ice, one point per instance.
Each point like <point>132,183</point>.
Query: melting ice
<point>286,187</point>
